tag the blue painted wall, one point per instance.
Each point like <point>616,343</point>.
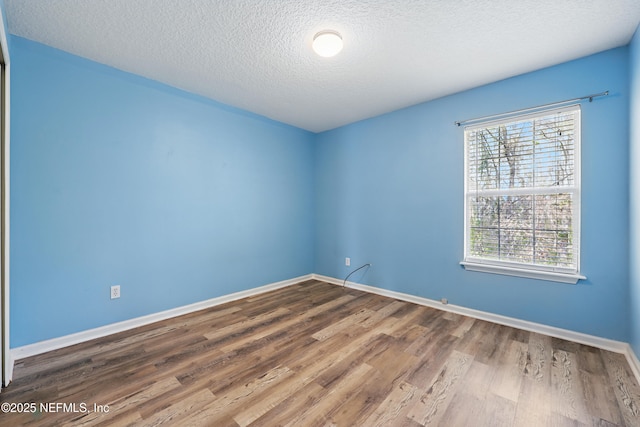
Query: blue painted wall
<point>390,192</point>
<point>120,180</point>
<point>635,190</point>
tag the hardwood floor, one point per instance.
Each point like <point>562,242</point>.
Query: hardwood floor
<point>318,354</point>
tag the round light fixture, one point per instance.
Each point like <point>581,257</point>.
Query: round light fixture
<point>327,43</point>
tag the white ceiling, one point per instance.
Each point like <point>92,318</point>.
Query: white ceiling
<point>256,54</point>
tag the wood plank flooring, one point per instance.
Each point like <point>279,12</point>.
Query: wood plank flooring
<point>315,354</point>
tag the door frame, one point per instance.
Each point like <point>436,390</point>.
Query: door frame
<point>7,359</point>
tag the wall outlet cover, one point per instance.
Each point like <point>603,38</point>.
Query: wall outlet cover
<point>115,291</point>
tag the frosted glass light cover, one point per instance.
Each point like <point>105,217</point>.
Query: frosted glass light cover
<point>327,43</point>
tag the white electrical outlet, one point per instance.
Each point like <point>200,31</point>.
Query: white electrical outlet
<point>115,291</point>
<point>347,262</point>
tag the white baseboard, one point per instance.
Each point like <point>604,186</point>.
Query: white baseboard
<point>633,362</point>
<point>65,341</point>
<point>603,343</point>
<point>79,337</point>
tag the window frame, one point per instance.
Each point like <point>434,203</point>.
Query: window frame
<point>512,268</point>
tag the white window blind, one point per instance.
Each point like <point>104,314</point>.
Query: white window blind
<point>522,194</point>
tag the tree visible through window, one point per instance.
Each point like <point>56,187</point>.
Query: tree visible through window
<point>523,191</point>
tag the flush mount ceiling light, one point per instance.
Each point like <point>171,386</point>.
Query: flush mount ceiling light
<point>327,43</point>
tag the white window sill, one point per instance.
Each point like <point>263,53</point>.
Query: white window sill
<point>552,276</point>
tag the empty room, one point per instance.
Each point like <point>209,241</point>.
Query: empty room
<point>304,213</point>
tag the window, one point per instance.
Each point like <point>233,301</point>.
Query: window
<point>522,196</point>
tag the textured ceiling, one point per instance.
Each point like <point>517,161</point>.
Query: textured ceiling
<point>256,54</point>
